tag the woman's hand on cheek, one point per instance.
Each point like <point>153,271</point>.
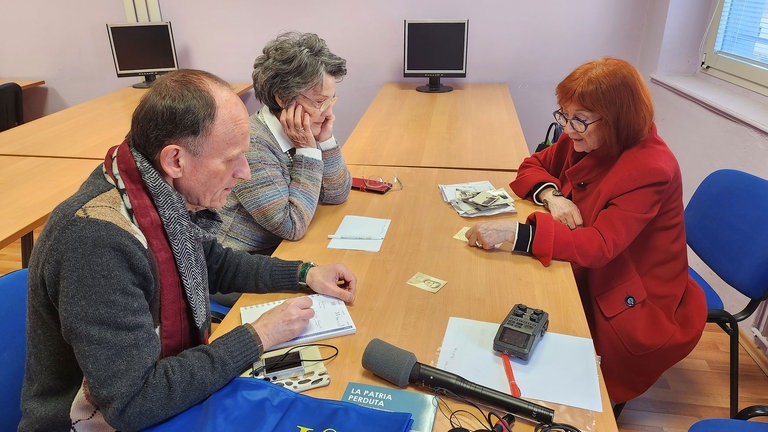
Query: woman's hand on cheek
<point>326,130</point>
<point>297,126</point>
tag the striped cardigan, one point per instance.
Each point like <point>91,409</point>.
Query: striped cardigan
<point>280,199</point>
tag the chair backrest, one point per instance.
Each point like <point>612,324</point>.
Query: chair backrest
<point>13,311</point>
<point>737,424</point>
<point>728,425</point>
<point>218,311</point>
<point>725,224</point>
<point>11,106</point>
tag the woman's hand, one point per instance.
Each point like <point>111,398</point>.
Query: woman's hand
<point>487,235</point>
<point>326,130</point>
<point>562,209</point>
<point>297,126</point>
<point>335,280</point>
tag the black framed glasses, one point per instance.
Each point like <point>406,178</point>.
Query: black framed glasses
<point>576,123</point>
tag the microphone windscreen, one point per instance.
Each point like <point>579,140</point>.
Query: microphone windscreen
<point>389,362</point>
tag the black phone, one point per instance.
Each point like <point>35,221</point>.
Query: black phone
<point>521,331</point>
<point>272,367</point>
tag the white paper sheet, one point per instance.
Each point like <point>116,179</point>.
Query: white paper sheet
<point>562,369</point>
<point>360,226</point>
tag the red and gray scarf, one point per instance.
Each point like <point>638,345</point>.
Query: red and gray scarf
<point>175,242</point>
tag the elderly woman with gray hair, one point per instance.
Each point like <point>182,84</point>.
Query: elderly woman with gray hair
<point>295,161</point>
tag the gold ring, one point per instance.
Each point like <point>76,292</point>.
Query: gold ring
<point>299,129</point>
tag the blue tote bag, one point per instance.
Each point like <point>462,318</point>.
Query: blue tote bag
<point>254,405</point>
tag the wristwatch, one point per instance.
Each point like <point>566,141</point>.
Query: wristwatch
<point>303,270</point>
<point>555,192</point>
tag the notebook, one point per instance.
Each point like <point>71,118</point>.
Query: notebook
<point>331,319</point>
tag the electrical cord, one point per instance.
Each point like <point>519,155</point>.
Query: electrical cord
<point>555,427</point>
<point>298,347</point>
<point>502,424</point>
<point>282,359</point>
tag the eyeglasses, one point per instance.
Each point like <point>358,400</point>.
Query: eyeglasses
<point>375,182</point>
<point>576,123</point>
<point>325,105</point>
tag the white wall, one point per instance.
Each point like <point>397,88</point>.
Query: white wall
<point>530,45</point>
<point>61,42</point>
<point>702,140</point>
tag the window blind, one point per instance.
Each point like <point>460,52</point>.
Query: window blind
<point>743,32</point>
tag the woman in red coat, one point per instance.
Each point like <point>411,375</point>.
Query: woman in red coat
<point>614,194</point>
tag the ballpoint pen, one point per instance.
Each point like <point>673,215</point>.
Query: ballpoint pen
<point>510,376</point>
<point>354,237</point>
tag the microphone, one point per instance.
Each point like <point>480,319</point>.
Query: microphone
<point>400,367</point>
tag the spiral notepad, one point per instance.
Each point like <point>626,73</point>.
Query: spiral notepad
<point>331,319</point>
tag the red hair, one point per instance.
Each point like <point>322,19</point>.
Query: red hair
<point>615,91</point>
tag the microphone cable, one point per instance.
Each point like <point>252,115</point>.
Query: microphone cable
<point>555,427</point>
<point>503,424</point>
<point>453,418</point>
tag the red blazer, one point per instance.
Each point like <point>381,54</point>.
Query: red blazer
<point>629,259</point>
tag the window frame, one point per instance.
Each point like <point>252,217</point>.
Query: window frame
<point>736,72</point>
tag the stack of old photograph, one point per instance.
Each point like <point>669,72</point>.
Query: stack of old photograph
<point>477,199</point>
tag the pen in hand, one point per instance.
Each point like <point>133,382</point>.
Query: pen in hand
<point>510,376</point>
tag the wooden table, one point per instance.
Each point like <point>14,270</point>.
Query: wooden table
<point>82,131</point>
<point>475,126</point>
<point>481,285</point>
<point>23,83</point>
<point>31,187</point>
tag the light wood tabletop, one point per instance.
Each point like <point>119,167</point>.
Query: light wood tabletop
<point>24,83</point>
<point>474,126</point>
<point>30,188</point>
<point>83,131</point>
<point>481,285</point>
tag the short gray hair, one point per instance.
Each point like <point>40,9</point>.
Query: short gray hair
<point>293,63</point>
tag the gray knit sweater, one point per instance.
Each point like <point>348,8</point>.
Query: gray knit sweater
<point>93,312</point>
<point>279,200</point>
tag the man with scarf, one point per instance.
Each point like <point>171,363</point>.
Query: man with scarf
<point>118,309</point>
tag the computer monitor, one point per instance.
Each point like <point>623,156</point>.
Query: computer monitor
<point>143,49</point>
<point>435,48</point>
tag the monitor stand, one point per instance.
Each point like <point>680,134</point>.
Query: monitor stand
<point>147,83</point>
<point>434,86</point>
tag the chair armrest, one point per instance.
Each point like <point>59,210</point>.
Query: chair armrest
<point>752,411</point>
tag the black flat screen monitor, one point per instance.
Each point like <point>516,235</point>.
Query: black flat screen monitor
<point>143,49</point>
<point>435,48</point>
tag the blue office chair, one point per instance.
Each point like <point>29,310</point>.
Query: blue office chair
<point>13,309</point>
<point>218,311</point>
<point>725,226</point>
<point>736,424</point>
<point>11,106</point>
